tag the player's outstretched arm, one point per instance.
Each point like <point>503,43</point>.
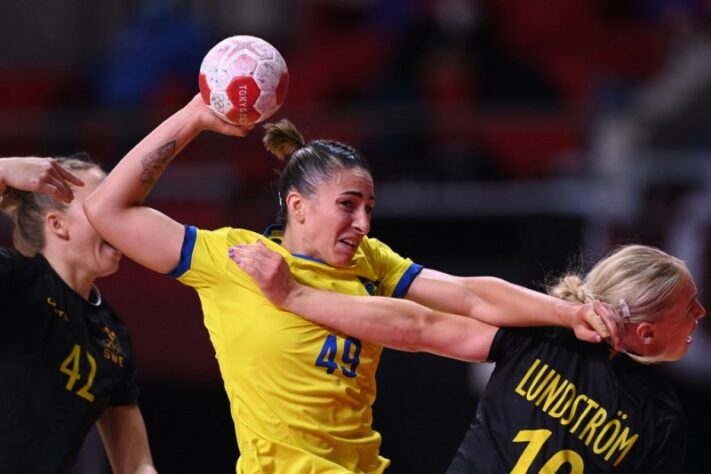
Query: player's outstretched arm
<point>390,322</point>
<point>500,303</point>
<point>123,433</point>
<point>37,174</point>
<point>116,208</point>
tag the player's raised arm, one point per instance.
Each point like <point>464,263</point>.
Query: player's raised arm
<point>116,208</point>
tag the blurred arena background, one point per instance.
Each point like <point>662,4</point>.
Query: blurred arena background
<point>506,137</point>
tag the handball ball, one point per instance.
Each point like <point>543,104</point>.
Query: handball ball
<point>243,79</point>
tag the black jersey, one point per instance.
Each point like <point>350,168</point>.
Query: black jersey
<point>63,360</point>
<point>555,404</point>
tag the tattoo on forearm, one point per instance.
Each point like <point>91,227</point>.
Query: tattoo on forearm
<point>155,163</point>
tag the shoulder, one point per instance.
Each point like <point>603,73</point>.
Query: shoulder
<point>540,340</point>
<point>534,335</point>
<point>651,387</point>
<point>661,414</point>
<point>387,263</point>
<point>374,250</point>
<point>18,276</point>
<point>15,263</point>
<point>10,256</point>
<point>227,234</point>
<point>374,244</point>
<point>217,240</point>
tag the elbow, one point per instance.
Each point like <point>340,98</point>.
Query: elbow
<point>96,210</point>
<point>94,215</point>
<point>89,209</point>
<point>92,207</point>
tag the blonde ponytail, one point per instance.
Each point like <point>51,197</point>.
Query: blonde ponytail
<point>571,288</point>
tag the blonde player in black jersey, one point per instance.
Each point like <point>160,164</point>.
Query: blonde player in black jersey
<point>66,361</point>
<point>301,395</point>
<point>554,403</point>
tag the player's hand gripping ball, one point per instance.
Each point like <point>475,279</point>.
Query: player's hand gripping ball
<point>244,79</point>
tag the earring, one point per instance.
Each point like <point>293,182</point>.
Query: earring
<point>647,340</point>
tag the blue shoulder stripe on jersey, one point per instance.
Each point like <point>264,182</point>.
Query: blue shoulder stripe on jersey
<point>272,228</point>
<point>307,257</point>
<point>186,253</point>
<point>406,280</point>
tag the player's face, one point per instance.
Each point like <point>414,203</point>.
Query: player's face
<point>674,328</point>
<point>94,255</point>
<point>337,217</point>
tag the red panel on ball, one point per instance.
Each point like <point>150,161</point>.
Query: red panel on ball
<point>243,92</point>
<point>204,88</point>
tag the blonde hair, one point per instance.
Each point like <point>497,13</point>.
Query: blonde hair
<point>27,209</point>
<point>643,278</point>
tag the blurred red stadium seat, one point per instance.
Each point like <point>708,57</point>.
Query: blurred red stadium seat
<point>30,87</point>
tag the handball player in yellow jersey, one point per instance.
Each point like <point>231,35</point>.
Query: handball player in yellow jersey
<point>553,403</point>
<point>300,394</point>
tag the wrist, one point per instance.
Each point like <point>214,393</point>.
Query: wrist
<point>566,313</point>
<point>193,116</point>
<point>293,297</point>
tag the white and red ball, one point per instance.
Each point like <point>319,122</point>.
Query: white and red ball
<point>244,79</point>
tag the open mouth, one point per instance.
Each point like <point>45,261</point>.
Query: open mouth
<point>350,243</point>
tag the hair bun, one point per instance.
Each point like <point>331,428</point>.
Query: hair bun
<point>570,288</point>
<point>282,139</point>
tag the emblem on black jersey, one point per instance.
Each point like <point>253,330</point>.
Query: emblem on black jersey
<point>112,349</point>
<point>370,286</point>
<point>60,313</point>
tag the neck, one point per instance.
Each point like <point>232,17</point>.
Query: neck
<point>290,243</point>
<point>76,278</point>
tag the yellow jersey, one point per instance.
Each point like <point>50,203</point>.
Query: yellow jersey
<point>300,394</point>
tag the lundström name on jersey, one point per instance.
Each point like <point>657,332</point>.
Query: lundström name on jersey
<point>558,397</point>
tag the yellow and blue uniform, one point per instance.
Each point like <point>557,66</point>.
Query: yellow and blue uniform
<point>301,394</point>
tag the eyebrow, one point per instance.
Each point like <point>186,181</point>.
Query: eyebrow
<point>357,193</point>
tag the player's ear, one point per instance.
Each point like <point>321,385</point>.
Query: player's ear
<point>646,334</point>
<point>296,204</point>
<point>56,223</point>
